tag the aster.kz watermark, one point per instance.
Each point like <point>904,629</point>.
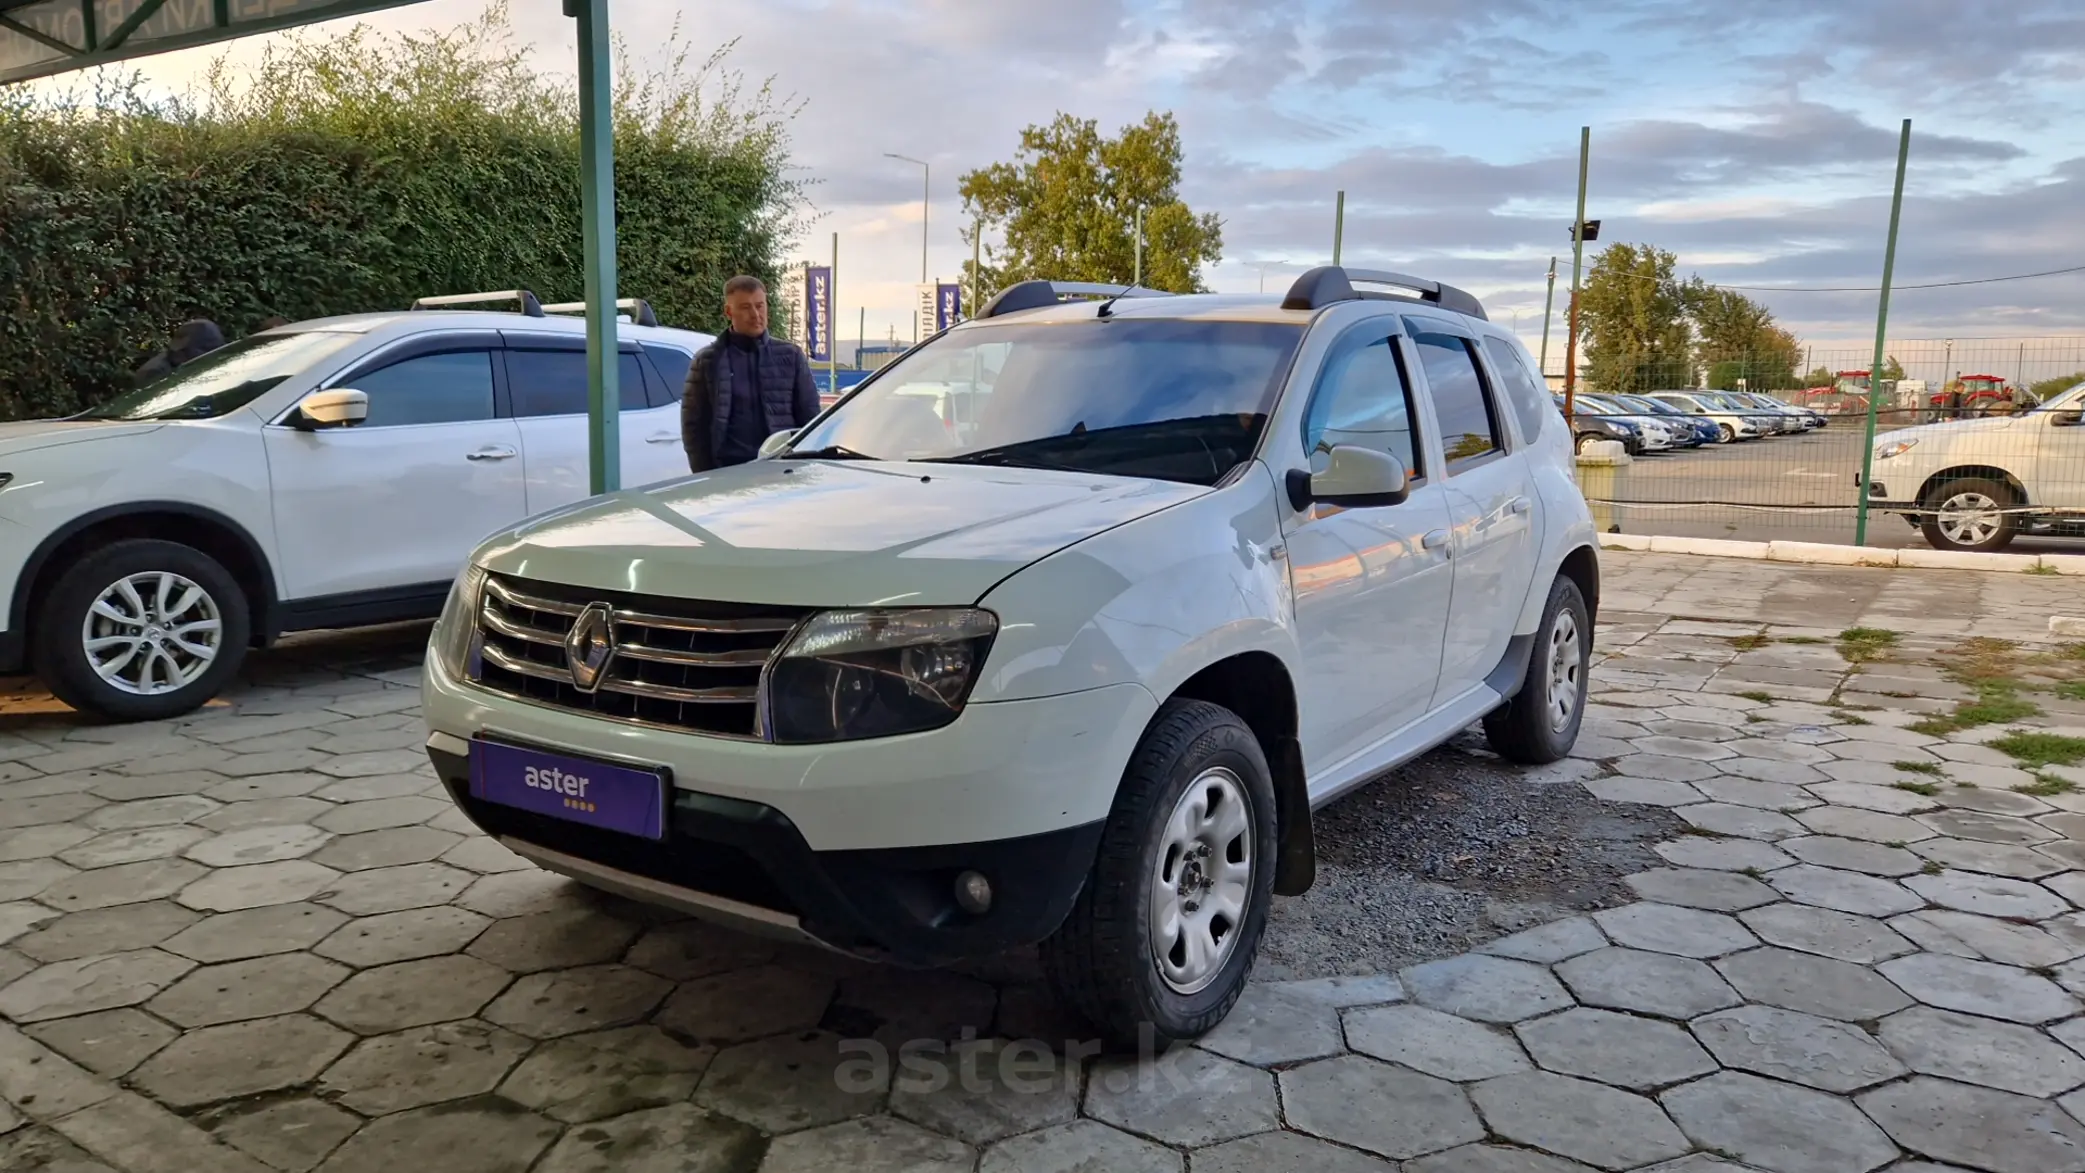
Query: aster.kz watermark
<point>981,1066</point>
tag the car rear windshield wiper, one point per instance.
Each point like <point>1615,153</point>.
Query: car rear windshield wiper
<point>829,452</point>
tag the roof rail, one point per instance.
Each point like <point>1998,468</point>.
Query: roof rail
<point>1032,295</point>
<point>639,310</point>
<point>529,304</point>
<point>1329,284</point>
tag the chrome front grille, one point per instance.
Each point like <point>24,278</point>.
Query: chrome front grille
<point>678,664</point>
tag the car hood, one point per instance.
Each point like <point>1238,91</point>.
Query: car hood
<point>819,533</point>
<point>33,434</point>
<point>1956,429</point>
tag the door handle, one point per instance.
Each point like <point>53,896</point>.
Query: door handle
<point>1434,539</point>
<point>663,438</point>
<point>1520,505</point>
<point>492,452</point>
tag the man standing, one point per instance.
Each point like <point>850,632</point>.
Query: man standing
<point>745,386</point>
<point>192,340</point>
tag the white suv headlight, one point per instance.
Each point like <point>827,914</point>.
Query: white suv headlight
<point>458,626</point>
<point>1895,448</point>
<point>847,675</point>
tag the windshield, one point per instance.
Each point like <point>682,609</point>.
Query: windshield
<point>1168,399</point>
<point>224,380</point>
<point>2069,400</point>
<point>1722,402</point>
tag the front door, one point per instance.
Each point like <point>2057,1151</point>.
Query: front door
<point>1490,501</point>
<point>2057,480</point>
<point>548,377</point>
<point>399,500</point>
<point>1371,585</point>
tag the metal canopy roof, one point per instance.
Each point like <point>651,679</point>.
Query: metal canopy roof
<point>42,37</point>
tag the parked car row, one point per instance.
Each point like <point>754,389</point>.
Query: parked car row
<point>1663,421</point>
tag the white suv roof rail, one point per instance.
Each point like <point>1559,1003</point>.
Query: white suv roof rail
<point>1330,284</point>
<point>636,310</point>
<point>528,303</point>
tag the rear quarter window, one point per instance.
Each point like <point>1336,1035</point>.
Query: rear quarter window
<point>1530,399</point>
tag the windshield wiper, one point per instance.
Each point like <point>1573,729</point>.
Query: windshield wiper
<point>829,452</point>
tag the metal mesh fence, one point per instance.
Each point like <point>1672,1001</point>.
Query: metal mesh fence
<point>1977,441</point>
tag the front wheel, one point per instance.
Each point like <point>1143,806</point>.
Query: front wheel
<point>141,630</point>
<point>1970,515</point>
<point>1540,724</point>
<point>1160,943</point>
<point>1725,434</point>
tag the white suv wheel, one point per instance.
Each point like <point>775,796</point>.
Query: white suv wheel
<point>1566,665</point>
<point>1203,881</point>
<point>1969,519</point>
<point>152,633</point>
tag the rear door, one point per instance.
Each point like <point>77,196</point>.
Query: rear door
<point>398,501</point>
<point>1491,503</point>
<point>547,375</point>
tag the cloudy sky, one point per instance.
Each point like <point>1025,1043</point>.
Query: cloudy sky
<point>1756,138</point>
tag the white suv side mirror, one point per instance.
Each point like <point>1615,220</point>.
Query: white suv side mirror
<point>1354,478</point>
<point>776,443</point>
<point>340,407</point>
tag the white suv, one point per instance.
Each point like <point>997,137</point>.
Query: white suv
<point>327,474</point>
<point>1975,484</point>
<point>1074,670</point>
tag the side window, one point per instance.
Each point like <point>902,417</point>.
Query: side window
<point>673,367</point>
<point>1362,398</point>
<point>430,389</point>
<point>1529,396</point>
<point>1461,403</point>
<point>553,382</point>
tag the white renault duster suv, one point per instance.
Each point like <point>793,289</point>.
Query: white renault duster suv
<point>1976,484</point>
<point>1070,665</point>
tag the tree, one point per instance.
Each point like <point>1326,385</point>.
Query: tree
<point>1065,208</point>
<point>2047,387</point>
<point>1892,369</point>
<point>1821,377</point>
<point>1739,340</point>
<point>1633,321</point>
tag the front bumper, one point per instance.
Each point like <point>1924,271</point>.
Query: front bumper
<point>856,845</point>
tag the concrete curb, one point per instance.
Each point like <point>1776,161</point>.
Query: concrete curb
<point>1824,554</point>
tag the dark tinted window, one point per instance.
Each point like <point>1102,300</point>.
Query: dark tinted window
<point>431,389</point>
<point>1529,397</point>
<point>673,367</point>
<point>553,382</point>
<point>1362,399</point>
<point>1460,404</point>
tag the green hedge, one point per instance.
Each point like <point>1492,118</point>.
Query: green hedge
<point>355,173</point>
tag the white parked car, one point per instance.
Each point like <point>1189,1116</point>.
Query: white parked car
<point>1075,674</point>
<point>1794,419</point>
<point>1976,484</point>
<point>1658,435</point>
<point>331,473</point>
<point>1732,424</point>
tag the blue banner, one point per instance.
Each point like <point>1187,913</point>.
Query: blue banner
<point>948,306</point>
<point>818,313</point>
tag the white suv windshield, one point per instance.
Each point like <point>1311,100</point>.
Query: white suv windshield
<point>1169,399</point>
<point>224,380</point>
<point>2070,400</point>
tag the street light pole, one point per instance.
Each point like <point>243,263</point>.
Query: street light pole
<point>926,177</point>
<point>1263,266</point>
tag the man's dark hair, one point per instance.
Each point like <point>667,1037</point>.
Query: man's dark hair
<point>744,283</point>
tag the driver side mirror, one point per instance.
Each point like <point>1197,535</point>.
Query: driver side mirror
<point>1354,478</point>
<point>340,407</point>
<point>775,443</point>
<point>2068,418</point>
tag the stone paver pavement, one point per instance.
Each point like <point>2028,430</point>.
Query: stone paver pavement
<point>258,939</point>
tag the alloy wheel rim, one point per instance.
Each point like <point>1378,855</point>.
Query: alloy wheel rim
<point>1203,880</point>
<point>1566,670</point>
<point>152,633</point>
<point>1969,519</point>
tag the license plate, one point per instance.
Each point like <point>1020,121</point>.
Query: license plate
<point>577,790</point>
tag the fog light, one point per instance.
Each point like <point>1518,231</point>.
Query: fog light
<point>974,893</point>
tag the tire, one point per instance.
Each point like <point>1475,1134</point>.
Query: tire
<point>1965,515</point>
<point>1104,961</point>
<point>1587,440</point>
<point>1540,724</point>
<point>1725,434</point>
<point>181,678</point>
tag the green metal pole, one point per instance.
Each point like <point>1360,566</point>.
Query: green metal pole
<point>1549,301</point>
<point>597,218</point>
<point>1339,224</point>
<point>1585,151</point>
<point>1882,320</point>
<point>1137,277</point>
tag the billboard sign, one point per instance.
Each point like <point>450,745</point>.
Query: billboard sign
<point>818,313</point>
<point>948,306</point>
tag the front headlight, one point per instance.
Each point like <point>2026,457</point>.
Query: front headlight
<point>847,675</point>
<point>1895,448</point>
<point>458,626</point>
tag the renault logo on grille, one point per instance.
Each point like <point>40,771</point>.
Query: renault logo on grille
<point>590,645</point>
